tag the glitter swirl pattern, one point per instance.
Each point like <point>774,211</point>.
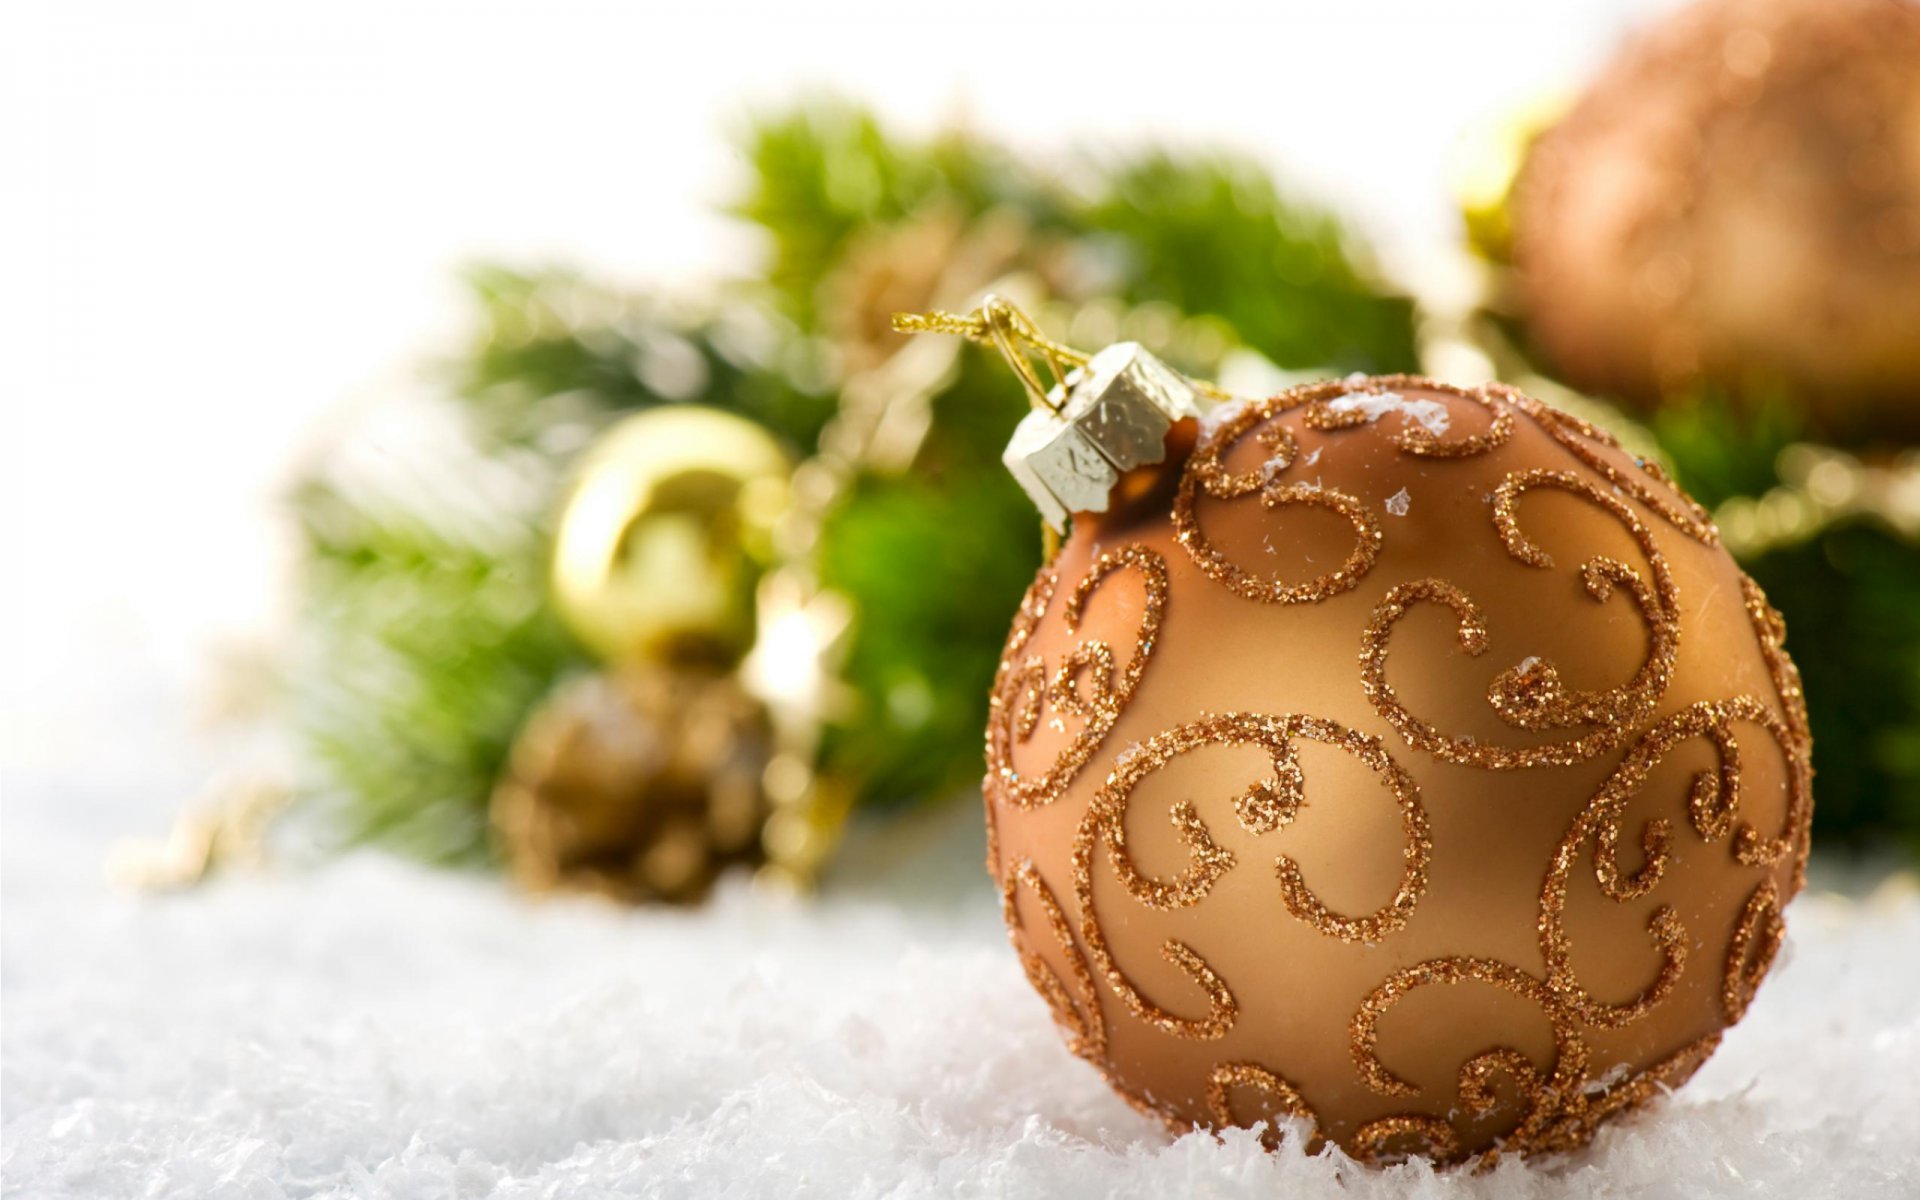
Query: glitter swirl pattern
<point>1076,1010</point>
<point>1756,941</point>
<point>1206,475</point>
<point>1531,696</point>
<point>1086,686</point>
<point>1693,793</point>
<point>1652,487</point>
<point>1278,1097</point>
<point>1264,806</point>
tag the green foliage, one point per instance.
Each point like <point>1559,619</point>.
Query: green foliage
<point>1851,597</point>
<point>935,562</point>
<point>1208,233</point>
<point>1721,449</point>
<point>1213,235</point>
<point>425,648</point>
<point>553,348</point>
<point>428,636</point>
<point>824,173</point>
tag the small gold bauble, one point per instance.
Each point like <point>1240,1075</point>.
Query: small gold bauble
<point>641,785</point>
<point>665,534</point>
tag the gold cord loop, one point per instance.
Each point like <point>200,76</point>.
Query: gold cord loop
<point>1000,324</point>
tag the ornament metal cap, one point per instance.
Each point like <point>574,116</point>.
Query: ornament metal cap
<point>1104,419</point>
<point>1104,416</point>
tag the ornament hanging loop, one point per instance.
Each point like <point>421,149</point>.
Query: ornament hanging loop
<point>999,323</point>
<point>1105,414</point>
<point>1014,334</point>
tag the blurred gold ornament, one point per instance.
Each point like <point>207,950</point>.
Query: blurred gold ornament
<point>665,534</point>
<point>1484,166</point>
<point>697,749</point>
<point>225,829</point>
<point>641,784</point>
<point>792,669</point>
<point>1736,202</point>
<point>938,257</point>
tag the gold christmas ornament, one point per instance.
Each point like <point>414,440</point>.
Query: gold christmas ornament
<point>1402,758</point>
<point>642,785</point>
<point>665,534</point>
<point>1736,201</point>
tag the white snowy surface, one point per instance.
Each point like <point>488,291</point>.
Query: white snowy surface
<point>375,1029</point>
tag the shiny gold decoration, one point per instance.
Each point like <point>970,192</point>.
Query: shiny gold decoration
<point>1457,848</point>
<point>791,670</point>
<point>1736,202</point>
<point>642,784</point>
<point>224,830</point>
<point>665,534</point>
<point>681,558</point>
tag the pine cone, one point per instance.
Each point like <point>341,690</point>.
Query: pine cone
<point>641,785</point>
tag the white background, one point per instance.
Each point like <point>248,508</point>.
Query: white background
<point>223,219</point>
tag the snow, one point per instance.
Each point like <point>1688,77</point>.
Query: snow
<point>1224,412</point>
<point>1430,415</point>
<point>371,1028</point>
